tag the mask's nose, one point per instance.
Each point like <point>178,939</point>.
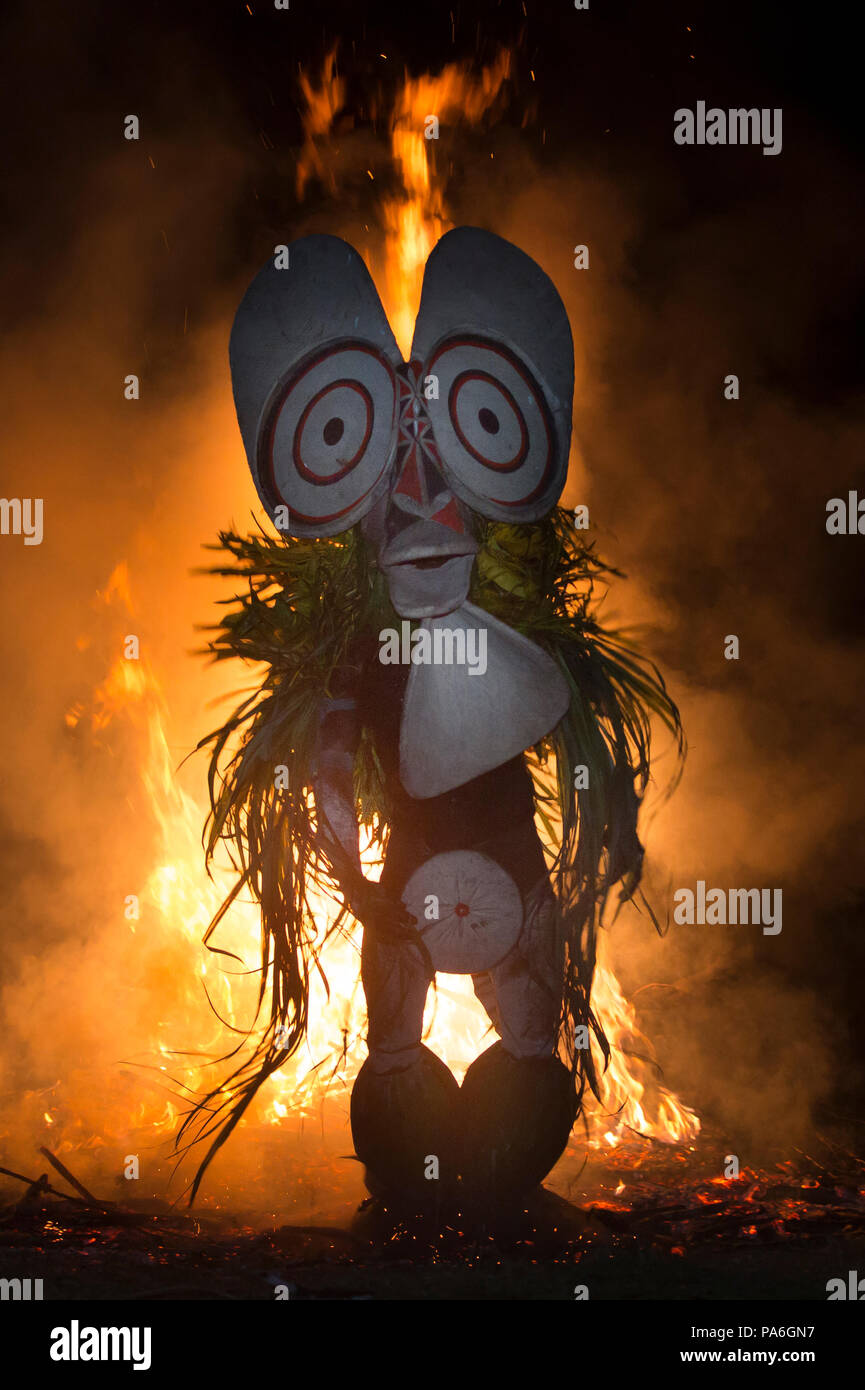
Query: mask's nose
<point>420,491</point>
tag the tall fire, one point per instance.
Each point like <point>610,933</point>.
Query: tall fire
<point>192,1023</point>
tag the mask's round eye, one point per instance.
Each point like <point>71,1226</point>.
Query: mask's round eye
<point>488,421</point>
<point>330,438</point>
<point>493,429</point>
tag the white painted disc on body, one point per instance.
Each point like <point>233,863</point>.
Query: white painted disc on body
<point>480,911</point>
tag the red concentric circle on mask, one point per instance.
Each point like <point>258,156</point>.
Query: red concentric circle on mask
<point>480,406</point>
<point>333,412</point>
<point>493,429</point>
<point>329,438</point>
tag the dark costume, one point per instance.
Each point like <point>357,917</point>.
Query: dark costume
<point>416,503</point>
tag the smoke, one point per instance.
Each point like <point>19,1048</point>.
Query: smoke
<point>714,508</point>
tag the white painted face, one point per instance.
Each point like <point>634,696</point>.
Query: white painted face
<point>339,430</point>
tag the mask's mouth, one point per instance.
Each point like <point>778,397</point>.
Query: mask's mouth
<point>428,565</point>
<point>426,546</point>
<point>429,562</point>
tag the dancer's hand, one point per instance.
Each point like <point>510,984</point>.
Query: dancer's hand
<point>379,911</point>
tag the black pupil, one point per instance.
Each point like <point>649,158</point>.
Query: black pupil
<point>333,430</point>
<point>488,421</point>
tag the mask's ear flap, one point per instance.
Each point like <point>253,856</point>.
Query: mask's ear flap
<point>312,368</point>
<point>493,331</point>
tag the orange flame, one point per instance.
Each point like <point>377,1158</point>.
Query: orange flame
<point>323,102</point>
<point>415,218</point>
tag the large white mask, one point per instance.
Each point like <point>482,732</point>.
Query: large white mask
<point>339,430</point>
